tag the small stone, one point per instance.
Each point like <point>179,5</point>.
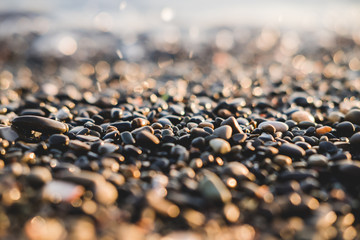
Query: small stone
<point>355,142</point>
<point>39,124</point>
<point>107,148</point>
<point>139,122</point>
<point>323,130</point>
<point>231,121</point>
<point>220,145</point>
<point>318,160</point>
<point>127,137</point>
<point>345,129</point>
<point>300,116</point>
<point>353,116</point>
<point>57,140</point>
<point>279,126</point>
<point>291,150</point>
<point>223,132</point>
<point>212,188</point>
<point>239,137</point>
<point>146,139</point>
<point>282,160</point>
<point>8,133</point>
<point>268,128</point>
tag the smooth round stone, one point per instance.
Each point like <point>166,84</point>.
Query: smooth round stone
<point>317,160</point>
<point>212,188</point>
<point>291,150</point>
<point>323,130</point>
<point>335,117</point>
<point>232,122</point>
<point>127,137</point>
<point>198,132</point>
<point>300,116</point>
<point>236,169</point>
<point>353,116</point>
<point>146,139</point>
<point>39,124</point>
<point>355,142</point>
<point>59,140</point>
<point>345,129</point>
<point>220,145</point>
<point>206,124</point>
<point>139,122</point>
<point>223,132</point>
<point>268,128</point>
<point>107,148</point>
<point>239,137</point>
<point>279,126</point>
<point>282,160</point>
<point>164,122</point>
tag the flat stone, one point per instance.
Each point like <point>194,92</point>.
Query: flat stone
<point>39,124</point>
<point>279,126</point>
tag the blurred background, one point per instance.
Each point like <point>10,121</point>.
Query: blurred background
<point>46,40</point>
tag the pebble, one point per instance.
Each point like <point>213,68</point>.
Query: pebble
<point>355,142</point>
<point>39,124</point>
<point>353,116</point>
<point>300,116</point>
<point>127,137</point>
<point>279,126</point>
<point>58,140</point>
<point>291,150</point>
<point>231,121</point>
<point>345,129</point>
<point>212,188</point>
<point>323,130</point>
<point>146,139</point>
<point>8,133</point>
<point>220,146</point>
<point>318,160</point>
<point>223,132</point>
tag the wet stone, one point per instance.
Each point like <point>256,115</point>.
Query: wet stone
<point>107,148</point>
<point>39,124</point>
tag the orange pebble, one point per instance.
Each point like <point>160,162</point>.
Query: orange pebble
<point>323,130</point>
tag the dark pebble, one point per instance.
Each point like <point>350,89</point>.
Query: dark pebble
<point>39,124</point>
